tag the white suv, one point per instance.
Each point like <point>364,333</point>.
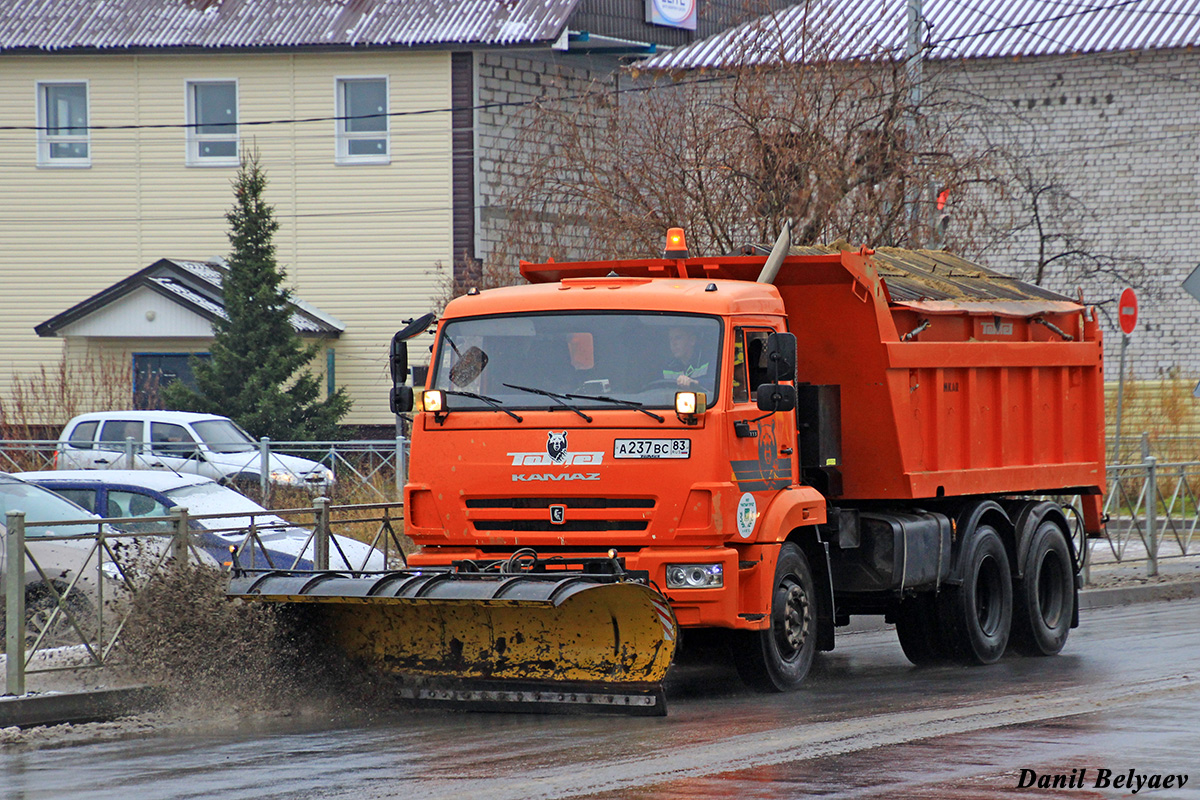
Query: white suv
<point>179,441</point>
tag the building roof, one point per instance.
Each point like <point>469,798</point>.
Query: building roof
<point>872,29</point>
<point>51,25</point>
<point>195,285</point>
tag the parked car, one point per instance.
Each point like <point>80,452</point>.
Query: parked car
<point>142,493</point>
<point>70,568</point>
<point>179,441</point>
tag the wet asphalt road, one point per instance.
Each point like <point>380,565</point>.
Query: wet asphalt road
<point>1125,694</point>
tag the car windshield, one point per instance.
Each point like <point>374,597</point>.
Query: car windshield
<point>643,357</point>
<point>223,436</point>
<point>41,506</point>
<point>212,498</point>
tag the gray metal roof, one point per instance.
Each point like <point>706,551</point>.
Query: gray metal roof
<point>196,285</point>
<point>119,24</point>
<point>869,29</point>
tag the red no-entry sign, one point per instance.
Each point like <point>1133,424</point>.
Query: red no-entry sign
<point>1127,311</point>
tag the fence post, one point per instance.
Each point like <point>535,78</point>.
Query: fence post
<point>401,468</point>
<point>321,540</point>
<point>180,540</point>
<point>129,453</point>
<point>1151,514</point>
<point>264,466</point>
<point>14,605</point>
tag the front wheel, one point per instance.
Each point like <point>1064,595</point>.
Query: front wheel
<point>778,659</point>
<point>1045,597</point>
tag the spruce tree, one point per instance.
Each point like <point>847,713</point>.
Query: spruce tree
<point>256,372</point>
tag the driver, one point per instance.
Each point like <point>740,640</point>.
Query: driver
<point>687,363</point>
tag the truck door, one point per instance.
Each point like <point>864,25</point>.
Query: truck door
<point>761,447</point>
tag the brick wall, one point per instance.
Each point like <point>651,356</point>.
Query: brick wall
<point>1121,132</point>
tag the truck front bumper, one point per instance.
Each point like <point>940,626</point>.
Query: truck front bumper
<point>742,600</point>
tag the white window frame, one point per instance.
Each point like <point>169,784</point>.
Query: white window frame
<point>195,138</point>
<point>45,139</point>
<point>344,137</point>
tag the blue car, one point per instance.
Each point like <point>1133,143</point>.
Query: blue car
<point>145,493</point>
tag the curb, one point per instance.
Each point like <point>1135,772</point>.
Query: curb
<point>54,708</point>
<point>1140,593</point>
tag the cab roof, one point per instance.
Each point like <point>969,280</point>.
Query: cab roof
<point>604,293</point>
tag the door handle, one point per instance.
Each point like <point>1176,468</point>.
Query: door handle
<point>100,461</point>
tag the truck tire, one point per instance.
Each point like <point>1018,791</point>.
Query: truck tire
<point>1044,599</point>
<point>918,631</point>
<point>979,612</point>
<point>778,659</point>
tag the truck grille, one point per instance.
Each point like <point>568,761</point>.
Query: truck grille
<point>569,502</point>
<point>583,514</point>
<point>546,525</point>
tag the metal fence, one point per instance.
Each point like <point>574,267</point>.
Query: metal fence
<point>1152,511</point>
<point>80,582</point>
<point>374,468</point>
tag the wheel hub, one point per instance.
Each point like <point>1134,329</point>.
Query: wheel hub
<point>793,625</point>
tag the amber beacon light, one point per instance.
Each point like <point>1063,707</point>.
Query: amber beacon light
<point>676,244</point>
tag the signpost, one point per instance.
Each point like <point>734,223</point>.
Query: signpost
<point>1127,317</point>
<point>1191,285</point>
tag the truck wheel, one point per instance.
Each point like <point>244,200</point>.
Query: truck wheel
<point>778,659</point>
<point>979,612</point>
<point>918,631</point>
<point>1044,600</point>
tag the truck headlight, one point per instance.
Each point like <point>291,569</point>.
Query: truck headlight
<point>433,400</point>
<point>284,476</point>
<point>695,576</point>
<point>690,403</point>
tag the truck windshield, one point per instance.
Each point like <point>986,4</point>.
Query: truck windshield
<point>644,357</point>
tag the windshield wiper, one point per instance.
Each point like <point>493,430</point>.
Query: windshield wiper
<point>491,401</point>
<point>631,403</point>
<point>553,396</point>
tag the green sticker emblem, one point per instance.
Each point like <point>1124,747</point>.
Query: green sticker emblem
<point>747,515</point>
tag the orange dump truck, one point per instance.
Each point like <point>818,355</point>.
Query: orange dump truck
<point>741,448</point>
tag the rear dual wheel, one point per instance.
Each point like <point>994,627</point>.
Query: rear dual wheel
<point>1045,597</point>
<point>778,659</point>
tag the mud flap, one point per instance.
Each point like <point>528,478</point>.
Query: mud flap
<point>563,642</point>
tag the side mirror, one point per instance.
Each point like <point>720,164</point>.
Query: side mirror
<point>401,399</point>
<point>781,358</point>
<point>468,367</point>
<point>398,360</point>
<point>774,397</point>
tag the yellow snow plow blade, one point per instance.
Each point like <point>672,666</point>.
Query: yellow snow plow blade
<point>493,639</point>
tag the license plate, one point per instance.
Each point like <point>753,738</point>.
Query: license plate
<point>652,448</point>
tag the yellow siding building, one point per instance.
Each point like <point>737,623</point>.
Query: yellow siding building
<point>366,241</point>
